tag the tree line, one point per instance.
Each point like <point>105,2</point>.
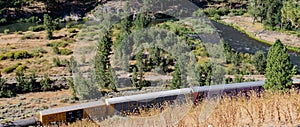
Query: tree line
<point>283,14</point>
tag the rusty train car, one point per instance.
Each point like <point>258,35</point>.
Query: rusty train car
<point>102,109</point>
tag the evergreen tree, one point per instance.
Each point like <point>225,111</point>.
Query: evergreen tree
<point>140,66</point>
<point>273,12</point>
<point>228,53</point>
<point>218,74</point>
<point>259,61</point>
<point>279,71</point>
<point>45,83</point>
<point>206,73</point>
<point>141,21</point>
<point>49,26</point>
<point>23,83</point>
<point>113,81</point>
<point>176,80</point>
<point>236,59</point>
<point>85,86</point>
<point>4,89</point>
<point>102,61</point>
<point>255,9</point>
<point>198,75</point>
<point>73,89</point>
<point>155,56</point>
<point>291,14</point>
<point>134,78</point>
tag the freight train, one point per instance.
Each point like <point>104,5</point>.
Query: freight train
<point>100,110</point>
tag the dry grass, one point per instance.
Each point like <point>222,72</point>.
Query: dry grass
<point>271,109</point>
<point>41,65</point>
<point>27,105</point>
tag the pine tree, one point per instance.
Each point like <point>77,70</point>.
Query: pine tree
<point>102,61</point>
<point>207,73</point>
<point>291,13</point>
<point>279,71</point>
<point>73,89</point>
<point>49,26</point>
<point>141,21</point>
<point>273,13</point>
<point>176,80</point>
<point>134,78</point>
<point>113,81</point>
<point>4,89</point>
<point>259,61</point>
<point>228,52</point>
<point>140,66</point>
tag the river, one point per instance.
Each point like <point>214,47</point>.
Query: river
<point>243,43</point>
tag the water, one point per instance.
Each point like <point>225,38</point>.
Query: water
<point>242,43</point>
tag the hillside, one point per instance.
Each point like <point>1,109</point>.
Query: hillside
<point>77,53</point>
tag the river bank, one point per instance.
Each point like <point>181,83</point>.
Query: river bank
<point>256,31</point>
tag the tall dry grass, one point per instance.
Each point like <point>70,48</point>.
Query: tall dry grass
<point>270,109</point>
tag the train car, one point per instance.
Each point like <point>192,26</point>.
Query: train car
<point>99,110</point>
<point>68,114</point>
<point>131,103</point>
<point>200,92</point>
<point>21,123</point>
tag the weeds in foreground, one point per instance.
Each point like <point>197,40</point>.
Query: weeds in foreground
<point>268,109</point>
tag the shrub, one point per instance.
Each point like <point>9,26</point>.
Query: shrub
<point>36,28</point>
<point>19,32</point>
<point>11,68</point>
<point>55,50</point>
<point>21,68</point>
<point>210,11</point>
<point>3,57</point>
<point>28,36</point>
<point>65,52</point>
<point>6,31</point>
<point>217,17</point>
<point>57,44</point>
<point>39,50</point>
<point>21,20</point>
<point>45,83</point>
<point>5,91</point>
<point>3,21</point>
<point>22,55</point>
<point>32,19</point>
<point>223,11</point>
<point>85,19</point>
<point>237,11</point>
<point>70,40</point>
<point>10,55</point>
<point>72,30</point>
<point>56,62</point>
